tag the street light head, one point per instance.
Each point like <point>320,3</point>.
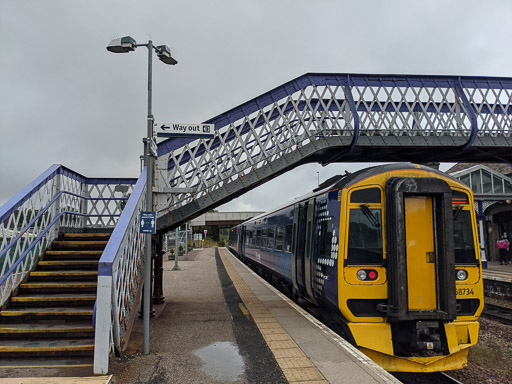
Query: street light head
<point>164,54</point>
<point>122,45</point>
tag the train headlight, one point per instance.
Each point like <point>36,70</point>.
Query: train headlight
<point>367,274</point>
<point>462,274</point>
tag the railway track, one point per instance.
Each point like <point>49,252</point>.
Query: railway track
<point>425,378</point>
<point>498,313</point>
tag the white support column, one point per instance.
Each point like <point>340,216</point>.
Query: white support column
<point>103,325</point>
<point>482,244</point>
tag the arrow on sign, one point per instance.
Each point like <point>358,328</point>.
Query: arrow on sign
<point>164,127</point>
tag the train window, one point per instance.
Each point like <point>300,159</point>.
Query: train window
<point>367,195</point>
<point>365,236</point>
<point>463,241</point>
<point>270,243</point>
<point>288,238</point>
<point>263,243</point>
<point>325,239</point>
<point>279,238</point>
<point>258,238</point>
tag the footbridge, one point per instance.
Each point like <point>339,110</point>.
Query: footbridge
<point>70,249</point>
<point>329,118</point>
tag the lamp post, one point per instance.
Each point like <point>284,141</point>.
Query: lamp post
<point>124,45</point>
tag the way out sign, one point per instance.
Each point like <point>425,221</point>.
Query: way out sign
<point>147,222</point>
<point>204,131</point>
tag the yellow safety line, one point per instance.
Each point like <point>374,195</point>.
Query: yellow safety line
<point>296,366</point>
<point>69,348</point>
<point>68,262</point>
<point>64,273</point>
<point>45,330</point>
<point>42,366</point>
<point>59,285</point>
<point>68,313</point>
<point>73,252</point>
<point>47,298</point>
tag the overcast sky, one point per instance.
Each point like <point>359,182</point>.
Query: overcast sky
<point>65,99</point>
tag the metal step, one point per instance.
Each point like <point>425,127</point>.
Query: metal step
<point>72,255</point>
<point>78,245</point>
<point>46,313</point>
<point>71,286</point>
<point>48,299</point>
<point>85,236</point>
<point>63,275</point>
<point>30,330</point>
<point>46,362</point>
<point>46,347</point>
<point>66,264</point>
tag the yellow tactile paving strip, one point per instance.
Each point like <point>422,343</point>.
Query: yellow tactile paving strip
<point>296,366</point>
<point>58,380</point>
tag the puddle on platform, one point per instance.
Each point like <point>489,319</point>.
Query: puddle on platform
<point>221,361</point>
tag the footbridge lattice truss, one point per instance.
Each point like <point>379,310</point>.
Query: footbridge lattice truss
<point>334,118</point>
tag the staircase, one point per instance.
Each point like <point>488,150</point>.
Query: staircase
<point>49,321</point>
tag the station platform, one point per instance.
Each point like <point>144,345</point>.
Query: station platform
<point>224,324</point>
<point>496,271</point>
<point>498,281</point>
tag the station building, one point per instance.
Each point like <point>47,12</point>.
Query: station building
<point>492,188</point>
<point>218,224</point>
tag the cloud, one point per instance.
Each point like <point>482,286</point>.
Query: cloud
<point>65,99</point>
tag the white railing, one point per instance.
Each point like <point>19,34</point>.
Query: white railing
<point>120,277</point>
<point>58,199</point>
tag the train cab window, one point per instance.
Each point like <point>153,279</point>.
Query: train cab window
<point>365,235</point>
<point>463,241</point>
<point>270,241</point>
<point>367,195</point>
<point>279,238</point>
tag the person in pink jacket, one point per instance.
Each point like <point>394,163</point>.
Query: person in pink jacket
<point>503,247</point>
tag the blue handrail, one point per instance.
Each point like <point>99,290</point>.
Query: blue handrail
<point>116,239</point>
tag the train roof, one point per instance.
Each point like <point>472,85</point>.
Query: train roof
<point>343,181</point>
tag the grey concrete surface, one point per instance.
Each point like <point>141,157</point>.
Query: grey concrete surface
<point>201,336</point>
<point>195,317</point>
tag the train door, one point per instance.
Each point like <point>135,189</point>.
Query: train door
<point>298,246</point>
<point>242,241</point>
<point>420,251</point>
<point>309,262</point>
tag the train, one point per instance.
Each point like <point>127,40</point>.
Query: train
<point>390,252</point>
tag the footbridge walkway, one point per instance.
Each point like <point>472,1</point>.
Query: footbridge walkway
<point>321,118</point>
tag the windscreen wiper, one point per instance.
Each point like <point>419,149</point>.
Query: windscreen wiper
<point>369,215</point>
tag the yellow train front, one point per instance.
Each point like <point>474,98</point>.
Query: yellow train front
<point>391,251</point>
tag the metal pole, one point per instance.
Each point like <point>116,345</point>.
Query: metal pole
<point>176,267</point>
<point>186,242</point>
<point>148,161</point>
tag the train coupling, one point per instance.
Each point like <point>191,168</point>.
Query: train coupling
<point>417,336</point>
<point>427,336</point>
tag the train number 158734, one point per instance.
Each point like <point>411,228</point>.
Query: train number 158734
<point>464,291</point>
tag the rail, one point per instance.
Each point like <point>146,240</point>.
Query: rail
<point>59,199</point>
<point>120,275</point>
